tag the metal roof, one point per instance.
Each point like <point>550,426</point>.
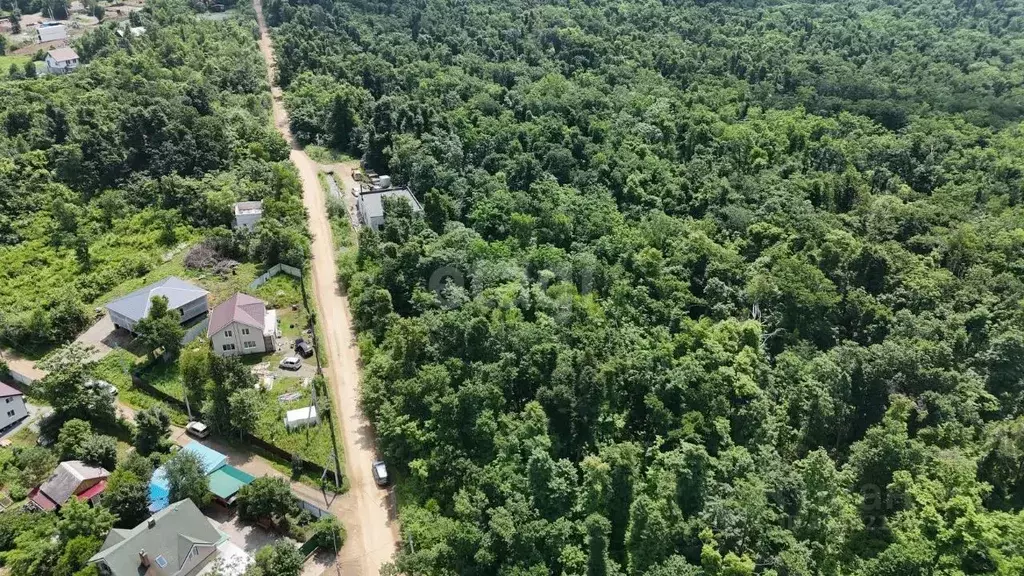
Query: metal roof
<point>6,391</point>
<point>249,207</point>
<point>170,533</point>
<point>240,308</point>
<point>226,481</point>
<point>371,203</point>
<point>66,479</point>
<point>135,306</point>
<point>62,54</point>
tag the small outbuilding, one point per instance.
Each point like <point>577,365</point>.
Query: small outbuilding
<point>247,214</point>
<point>71,478</point>
<point>301,417</point>
<point>50,31</point>
<point>370,205</point>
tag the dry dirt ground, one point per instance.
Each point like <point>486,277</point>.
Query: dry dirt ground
<point>367,511</point>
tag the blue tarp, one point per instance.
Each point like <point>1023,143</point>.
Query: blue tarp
<point>159,489</point>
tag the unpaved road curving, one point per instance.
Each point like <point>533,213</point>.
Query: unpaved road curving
<point>365,510</point>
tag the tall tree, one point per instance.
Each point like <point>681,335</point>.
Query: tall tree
<point>161,328</point>
<point>152,428</point>
<point>127,497</point>
<point>187,478</point>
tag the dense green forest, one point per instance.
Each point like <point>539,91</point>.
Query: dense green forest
<point>105,171</point>
<point>734,287</point>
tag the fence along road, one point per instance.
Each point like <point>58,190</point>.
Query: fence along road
<point>365,510</point>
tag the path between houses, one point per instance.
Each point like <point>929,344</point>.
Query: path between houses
<point>366,511</point>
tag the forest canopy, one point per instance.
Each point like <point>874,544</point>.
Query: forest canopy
<point>733,287</point>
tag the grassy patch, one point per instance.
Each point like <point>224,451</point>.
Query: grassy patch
<point>326,155</point>
<point>116,369</point>
<point>6,61</point>
<point>312,443</point>
<point>24,437</point>
<point>220,287</point>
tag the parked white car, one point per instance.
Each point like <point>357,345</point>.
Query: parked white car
<point>197,429</point>
<point>291,363</point>
<point>102,385</point>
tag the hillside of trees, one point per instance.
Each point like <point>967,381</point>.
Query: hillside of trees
<point>145,147</point>
<point>734,287</point>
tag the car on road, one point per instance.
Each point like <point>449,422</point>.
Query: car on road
<point>102,385</point>
<point>291,363</point>
<point>304,349</point>
<point>197,429</point>
<point>380,473</point>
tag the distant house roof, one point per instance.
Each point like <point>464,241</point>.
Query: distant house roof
<point>240,308</point>
<point>64,483</point>
<point>170,534</point>
<point>252,207</point>
<point>62,54</point>
<point>226,481</point>
<point>6,391</point>
<point>372,202</point>
<point>135,306</point>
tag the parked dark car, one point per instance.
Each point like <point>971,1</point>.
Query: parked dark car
<point>303,348</point>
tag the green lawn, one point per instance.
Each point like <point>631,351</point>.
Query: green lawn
<point>6,61</point>
<point>116,369</point>
<point>313,443</point>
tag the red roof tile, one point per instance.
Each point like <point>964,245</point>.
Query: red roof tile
<point>98,488</point>
<point>42,501</point>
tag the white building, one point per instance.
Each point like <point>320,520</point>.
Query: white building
<point>370,205</point>
<point>61,61</point>
<point>301,417</point>
<point>243,325</point>
<point>247,214</point>
<point>50,31</point>
<point>12,407</point>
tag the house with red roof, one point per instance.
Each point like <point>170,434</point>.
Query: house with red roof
<point>12,407</point>
<point>242,324</point>
<point>70,479</point>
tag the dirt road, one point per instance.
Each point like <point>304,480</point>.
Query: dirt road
<point>365,509</point>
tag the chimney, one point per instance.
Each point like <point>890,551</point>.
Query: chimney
<point>152,522</point>
<point>144,558</point>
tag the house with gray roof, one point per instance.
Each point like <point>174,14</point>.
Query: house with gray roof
<point>176,541</point>
<point>71,478</point>
<point>370,205</point>
<point>187,300</point>
<point>243,324</point>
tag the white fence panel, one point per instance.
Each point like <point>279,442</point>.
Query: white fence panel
<point>20,378</point>
<point>274,271</point>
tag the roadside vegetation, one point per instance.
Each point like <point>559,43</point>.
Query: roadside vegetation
<point>732,287</point>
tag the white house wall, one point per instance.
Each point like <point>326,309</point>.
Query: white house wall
<point>238,338</point>
<point>12,409</point>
